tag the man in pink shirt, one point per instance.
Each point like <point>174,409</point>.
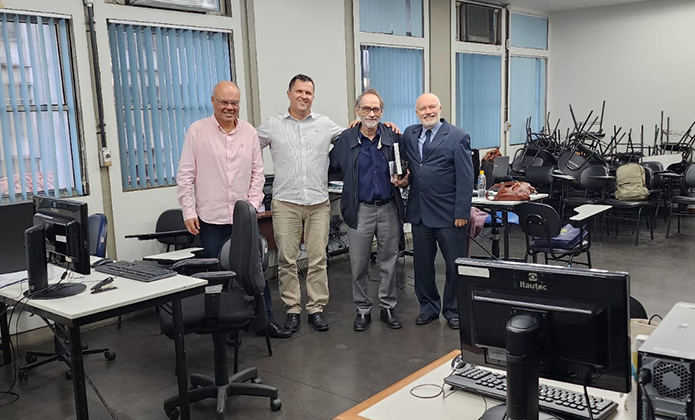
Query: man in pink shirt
<point>220,164</point>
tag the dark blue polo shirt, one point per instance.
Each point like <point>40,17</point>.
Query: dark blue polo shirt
<point>373,174</point>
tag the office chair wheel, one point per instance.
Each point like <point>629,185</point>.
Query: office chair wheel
<point>110,355</point>
<point>30,358</point>
<point>173,414</point>
<point>23,375</point>
<point>256,381</point>
<point>68,375</point>
<point>275,404</point>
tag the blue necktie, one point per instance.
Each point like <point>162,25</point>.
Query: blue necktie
<point>426,145</point>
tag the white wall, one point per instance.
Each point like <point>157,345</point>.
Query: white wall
<point>638,57</point>
<point>301,36</point>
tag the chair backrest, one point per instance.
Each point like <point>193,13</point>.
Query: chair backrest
<point>262,249</point>
<point>244,256</point>
<point>539,220</point>
<point>637,310</point>
<point>657,181</point>
<point>98,228</point>
<point>169,220</point>
<point>585,180</point>
<point>539,176</point>
<point>689,177</point>
<point>500,168</point>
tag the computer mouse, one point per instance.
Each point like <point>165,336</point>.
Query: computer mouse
<point>102,261</point>
<point>457,363</point>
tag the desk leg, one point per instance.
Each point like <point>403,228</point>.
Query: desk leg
<point>505,223</point>
<point>181,372</point>
<point>78,382</point>
<point>5,335</point>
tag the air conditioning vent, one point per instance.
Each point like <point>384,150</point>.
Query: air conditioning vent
<point>184,5</point>
<point>479,24</point>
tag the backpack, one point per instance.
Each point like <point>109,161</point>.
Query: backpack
<point>630,183</point>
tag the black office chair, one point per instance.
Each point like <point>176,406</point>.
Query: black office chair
<point>682,201</point>
<point>632,210</point>
<point>542,180</point>
<point>224,310</point>
<point>590,190</point>
<point>541,224</point>
<point>170,230</point>
<point>637,310</point>
<point>98,227</point>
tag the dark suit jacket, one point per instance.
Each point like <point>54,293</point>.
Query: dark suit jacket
<point>344,158</point>
<point>441,183</point>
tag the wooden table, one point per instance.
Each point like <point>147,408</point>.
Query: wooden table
<point>396,402</point>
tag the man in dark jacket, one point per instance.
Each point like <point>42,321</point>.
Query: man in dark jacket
<point>439,204</point>
<point>371,206</point>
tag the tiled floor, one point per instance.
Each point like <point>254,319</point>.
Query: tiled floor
<point>319,375</point>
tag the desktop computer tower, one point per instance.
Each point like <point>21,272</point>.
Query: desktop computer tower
<point>666,367</point>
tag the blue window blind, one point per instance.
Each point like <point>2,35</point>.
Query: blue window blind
<point>394,17</point>
<point>478,98</point>
<point>529,31</point>
<point>527,97</point>
<point>40,148</point>
<point>397,74</point>
<point>163,79</point>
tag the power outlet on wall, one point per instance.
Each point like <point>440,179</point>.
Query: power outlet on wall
<point>104,157</point>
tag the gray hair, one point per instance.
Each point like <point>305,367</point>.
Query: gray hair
<point>370,91</point>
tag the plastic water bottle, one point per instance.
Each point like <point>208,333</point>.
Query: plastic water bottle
<point>482,183</point>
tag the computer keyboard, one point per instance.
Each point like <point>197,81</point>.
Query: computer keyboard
<point>554,400</point>
<point>135,271</point>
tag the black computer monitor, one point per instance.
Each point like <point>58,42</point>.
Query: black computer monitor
<point>59,236</point>
<point>17,218</point>
<point>561,323</point>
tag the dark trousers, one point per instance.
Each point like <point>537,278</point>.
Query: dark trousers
<point>213,237</point>
<point>453,242</point>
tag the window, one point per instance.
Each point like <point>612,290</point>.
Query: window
<point>163,79</point>
<point>527,96</point>
<point>396,73</point>
<point>40,150</point>
<point>393,17</point>
<point>478,98</point>
<point>529,31</point>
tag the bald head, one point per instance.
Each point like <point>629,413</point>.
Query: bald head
<point>428,110</point>
<point>224,87</point>
<point>225,102</point>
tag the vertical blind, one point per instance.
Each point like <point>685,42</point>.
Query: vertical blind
<point>163,79</point>
<point>40,151</point>
<point>529,31</point>
<point>527,98</point>
<point>394,17</point>
<point>478,98</point>
<point>397,74</point>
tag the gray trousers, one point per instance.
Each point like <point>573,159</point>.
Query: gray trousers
<point>381,221</point>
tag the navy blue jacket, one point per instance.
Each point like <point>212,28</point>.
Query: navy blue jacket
<point>344,158</point>
<point>441,183</point>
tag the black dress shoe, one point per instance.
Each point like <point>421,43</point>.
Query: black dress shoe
<point>453,322</point>
<point>390,319</point>
<point>424,319</point>
<point>318,321</point>
<point>230,340</point>
<point>276,331</point>
<point>292,322</point>
<point>362,322</point>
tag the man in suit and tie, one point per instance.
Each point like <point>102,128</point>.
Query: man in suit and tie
<point>439,204</point>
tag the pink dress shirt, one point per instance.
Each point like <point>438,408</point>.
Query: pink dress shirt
<point>220,168</point>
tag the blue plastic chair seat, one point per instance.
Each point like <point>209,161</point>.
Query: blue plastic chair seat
<point>512,218</point>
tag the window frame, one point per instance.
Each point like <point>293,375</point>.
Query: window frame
<point>484,49</point>
<point>371,39</point>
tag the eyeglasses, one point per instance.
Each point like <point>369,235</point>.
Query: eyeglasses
<point>366,110</point>
<point>225,104</point>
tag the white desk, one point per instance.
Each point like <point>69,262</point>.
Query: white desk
<point>505,207</point>
<point>85,308</point>
<point>396,402</point>
<point>173,256</point>
<point>586,211</point>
